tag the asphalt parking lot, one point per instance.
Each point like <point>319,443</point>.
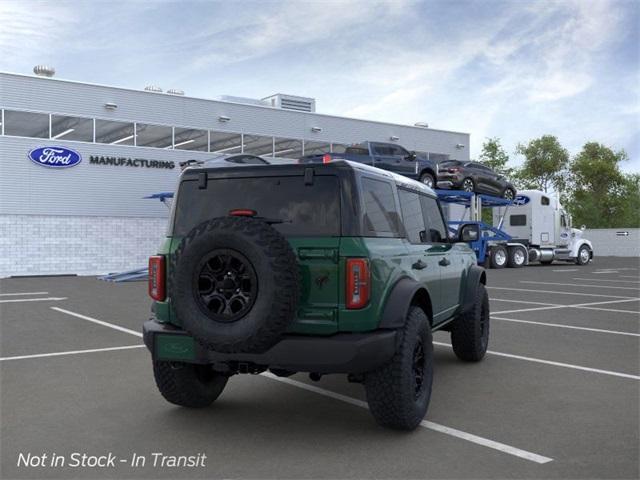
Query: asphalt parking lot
<point>556,397</point>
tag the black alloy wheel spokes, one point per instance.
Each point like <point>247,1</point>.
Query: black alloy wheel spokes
<point>226,285</point>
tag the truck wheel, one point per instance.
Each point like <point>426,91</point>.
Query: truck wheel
<point>188,385</point>
<point>517,257</point>
<point>498,256</point>
<point>234,283</point>
<point>584,255</point>
<point>470,331</point>
<point>399,392</point>
<point>428,180</point>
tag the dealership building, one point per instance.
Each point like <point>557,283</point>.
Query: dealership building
<point>77,160</point>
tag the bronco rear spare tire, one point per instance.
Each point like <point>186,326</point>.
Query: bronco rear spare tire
<point>234,284</point>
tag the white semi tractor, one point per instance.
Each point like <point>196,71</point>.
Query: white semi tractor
<point>538,222</point>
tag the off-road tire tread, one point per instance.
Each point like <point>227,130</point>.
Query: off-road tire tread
<point>465,329</point>
<point>391,405</point>
<point>182,387</point>
<point>283,263</point>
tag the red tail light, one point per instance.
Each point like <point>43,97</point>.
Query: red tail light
<point>157,278</point>
<point>326,158</point>
<point>357,283</point>
<point>242,212</point>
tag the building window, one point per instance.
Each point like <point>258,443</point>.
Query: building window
<point>258,145</point>
<point>225,143</point>
<point>316,148</point>
<point>114,133</point>
<point>26,124</point>
<point>71,128</point>
<point>157,136</point>
<point>190,139</point>
<point>287,148</point>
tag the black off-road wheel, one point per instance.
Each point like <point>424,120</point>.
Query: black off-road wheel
<point>188,385</point>
<point>470,331</point>
<point>399,392</point>
<point>234,284</point>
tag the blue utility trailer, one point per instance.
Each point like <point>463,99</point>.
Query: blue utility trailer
<point>494,247</point>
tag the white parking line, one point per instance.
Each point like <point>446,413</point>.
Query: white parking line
<point>536,309</point>
<point>23,293</point>
<point>99,322</point>
<point>586,306</point>
<point>71,352</point>
<point>559,325</point>
<point>485,442</point>
<point>604,280</point>
<point>628,276</point>
<point>581,285</point>
<point>567,270</point>
<point>20,300</point>
<point>556,364</point>
<point>558,293</point>
<point>525,301</point>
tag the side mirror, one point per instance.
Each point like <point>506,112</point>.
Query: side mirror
<point>411,157</point>
<point>435,235</point>
<point>469,233</point>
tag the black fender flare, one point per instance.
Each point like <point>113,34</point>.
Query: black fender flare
<point>430,171</point>
<point>399,300</point>
<point>475,275</point>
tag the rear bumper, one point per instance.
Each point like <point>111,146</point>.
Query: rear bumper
<point>339,353</point>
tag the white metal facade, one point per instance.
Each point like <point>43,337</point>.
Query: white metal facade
<point>87,193</point>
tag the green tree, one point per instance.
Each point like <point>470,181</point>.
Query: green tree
<point>600,195</point>
<point>494,156</point>
<point>545,164</point>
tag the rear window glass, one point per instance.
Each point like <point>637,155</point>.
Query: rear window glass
<point>450,163</point>
<point>380,207</point>
<point>307,210</point>
<point>357,151</point>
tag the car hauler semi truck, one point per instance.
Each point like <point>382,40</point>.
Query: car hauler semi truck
<point>538,221</point>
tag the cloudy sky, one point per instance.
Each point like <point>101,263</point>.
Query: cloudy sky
<point>514,69</point>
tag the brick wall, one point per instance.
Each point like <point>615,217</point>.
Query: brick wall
<point>47,245</point>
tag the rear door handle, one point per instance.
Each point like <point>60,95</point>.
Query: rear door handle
<point>444,262</point>
<point>419,265</point>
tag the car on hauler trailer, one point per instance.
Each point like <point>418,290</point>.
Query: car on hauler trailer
<point>325,268</point>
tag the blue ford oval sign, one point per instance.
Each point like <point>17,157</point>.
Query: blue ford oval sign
<point>55,157</point>
<point>521,200</point>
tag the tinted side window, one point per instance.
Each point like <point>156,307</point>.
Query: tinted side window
<point>411,215</point>
<point>518,220</point>
<point>544,201</point>
<point>379,205</point>
<point>433,220</point>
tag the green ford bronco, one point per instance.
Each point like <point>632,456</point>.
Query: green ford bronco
<point>330,268</point>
